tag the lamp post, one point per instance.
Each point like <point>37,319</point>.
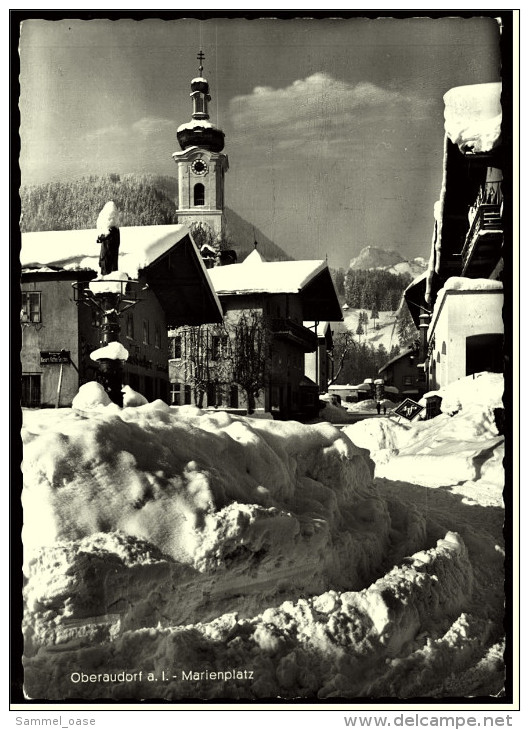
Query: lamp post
<point>111,294</point>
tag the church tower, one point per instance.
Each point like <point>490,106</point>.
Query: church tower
<point>201,163</point>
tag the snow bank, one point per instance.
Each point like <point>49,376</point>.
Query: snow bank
<point>91,395</point>
<point>132,398</point>
<point>444,451</point>
<point>336,644</point>
<point>211,490</point>
<point>207,555</point>
<point>481,391</point>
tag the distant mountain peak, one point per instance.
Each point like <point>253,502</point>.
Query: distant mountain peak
<point>372,257</point>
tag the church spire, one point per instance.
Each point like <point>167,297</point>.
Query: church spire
<point>201,57</point>
<point>199,132</point>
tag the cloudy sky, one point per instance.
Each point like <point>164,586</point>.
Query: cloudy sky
<point>334,127</point>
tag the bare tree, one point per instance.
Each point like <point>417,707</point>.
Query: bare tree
<point>250,338</point>
<point>343,344</point>
<point>206,358</point>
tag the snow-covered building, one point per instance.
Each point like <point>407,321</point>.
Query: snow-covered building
<point>58,333</point>
<point>401,372</point>
<point>282,295</point>
<point>460,319</point>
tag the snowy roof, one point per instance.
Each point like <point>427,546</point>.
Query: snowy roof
<point>195,123</point>
<point>473,116</point>
<point>310,279</point>
<point>165,255</point>
<point>270,277</point>
<point>253,258</point>
<point>406,353</point>
<point>139,247</point>
<point>461,284</point>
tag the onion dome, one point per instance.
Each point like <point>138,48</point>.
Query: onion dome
<point>199,132</point>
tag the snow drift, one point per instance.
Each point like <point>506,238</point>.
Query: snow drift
<point>172,552</point>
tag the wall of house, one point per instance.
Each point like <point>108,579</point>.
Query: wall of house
<point>66,325</point>
<point>403,374</point>
<point>285,366</point>
<point>146,369</point>
<point>317,365</point>
<point>57,330</point>
<point>461,314</point>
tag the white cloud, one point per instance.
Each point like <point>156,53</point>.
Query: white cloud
<point>138,130</point>
<point>320,107</point>
<point>153,125</point>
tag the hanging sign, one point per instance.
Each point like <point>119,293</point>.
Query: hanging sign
<point>408,409</point>
<point>54,357</point>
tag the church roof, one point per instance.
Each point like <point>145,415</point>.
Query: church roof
<point>253,258</point>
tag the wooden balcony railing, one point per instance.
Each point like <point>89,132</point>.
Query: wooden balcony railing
<point>487,219</point>
<point>287,329</point>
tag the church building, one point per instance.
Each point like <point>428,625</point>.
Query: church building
<point>266,302</point>
<point>201,163</point>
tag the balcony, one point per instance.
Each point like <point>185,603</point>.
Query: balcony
<point>483,242</point>
<point>290,331</point>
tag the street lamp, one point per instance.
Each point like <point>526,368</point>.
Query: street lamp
<point>111,294</point>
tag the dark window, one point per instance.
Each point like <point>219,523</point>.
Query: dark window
<point>30,311</point>
<point>219,346</point>
<point>198,194</point>
<point>484,353</point>
<point>176,347</point>
<point>211,394</point>
<point>175,394</point>
<point>130,326</point>
<point>30,396</point>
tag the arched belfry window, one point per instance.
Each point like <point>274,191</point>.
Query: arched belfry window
<point>198,194</point>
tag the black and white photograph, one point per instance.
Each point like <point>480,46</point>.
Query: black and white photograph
<point>264,357</point>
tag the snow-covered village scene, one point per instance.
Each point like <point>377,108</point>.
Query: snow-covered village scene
<point>264,357</point>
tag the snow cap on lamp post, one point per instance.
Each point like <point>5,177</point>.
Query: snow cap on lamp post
<point>108,237</point>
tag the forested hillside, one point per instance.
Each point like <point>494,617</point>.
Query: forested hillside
<point>143,200</point>
<point>374,288</point>
<point>58,206</point>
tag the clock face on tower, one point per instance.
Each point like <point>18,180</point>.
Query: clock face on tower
<point>199,167</point>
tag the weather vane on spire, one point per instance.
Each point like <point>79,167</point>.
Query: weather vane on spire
<point>201,57</point>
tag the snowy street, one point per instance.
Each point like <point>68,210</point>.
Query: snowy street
<point>207,555</point>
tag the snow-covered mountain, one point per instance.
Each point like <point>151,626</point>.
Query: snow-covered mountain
<point>371,257</point>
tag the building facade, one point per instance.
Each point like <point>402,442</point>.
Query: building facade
<point>58,336</point>
<point>458,304</point>
<point>60,330</point>
<point>401,372</point>
<point>275,298</point>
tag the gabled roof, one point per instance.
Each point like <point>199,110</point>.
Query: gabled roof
<point>165,256</point>
<point>309,279</point>
<point>406,353</point>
